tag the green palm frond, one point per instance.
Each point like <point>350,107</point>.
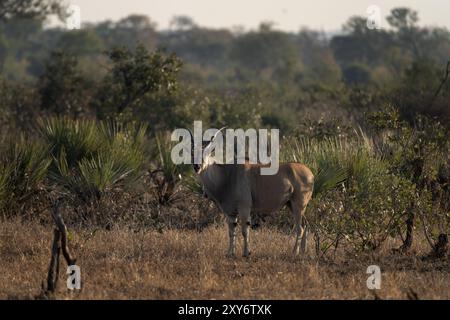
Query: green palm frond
<point>334,160</point>
<point>24,166</point>
<point>93,158</point>
<point>79,138</point>
<point>327,179</point>
<point>165,163</point>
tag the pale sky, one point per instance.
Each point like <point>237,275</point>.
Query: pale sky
<point>290,15</point>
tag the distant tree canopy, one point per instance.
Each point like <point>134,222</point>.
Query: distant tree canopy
<point>217,55</point>
<point>29,8</point>
<point>403,18</point>
<point>127,32</point>
<point>306,65</point>
<point>265,50</point>
<point>357,74</point>
<point>182,23</point>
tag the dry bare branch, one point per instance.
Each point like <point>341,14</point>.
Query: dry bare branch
<point>63,230</point>
<point>53,270</point>
<point>59,244</point>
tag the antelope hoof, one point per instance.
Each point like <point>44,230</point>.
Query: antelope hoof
<point>246,254</point>
<point>231,254</point>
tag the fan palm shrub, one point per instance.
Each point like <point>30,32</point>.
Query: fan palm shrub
<point>91,159</point>
<point>23,168</point>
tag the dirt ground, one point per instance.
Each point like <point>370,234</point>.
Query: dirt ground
<point>174,264</point>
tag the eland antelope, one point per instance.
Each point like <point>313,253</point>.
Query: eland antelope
<point>240,189</point>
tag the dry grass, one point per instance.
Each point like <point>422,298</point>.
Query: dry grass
<point>125,264</point>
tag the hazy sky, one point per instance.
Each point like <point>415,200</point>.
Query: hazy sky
<point>287,14</point>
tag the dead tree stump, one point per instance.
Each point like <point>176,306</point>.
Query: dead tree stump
<point>59,244</point>
<point>53,270</point>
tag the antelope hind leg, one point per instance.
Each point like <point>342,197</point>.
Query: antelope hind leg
<point>304,241</point>
<point>297,210</point>
<point>306,199</point>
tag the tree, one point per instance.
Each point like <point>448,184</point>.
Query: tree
<point>404,21</point>
<point>62,86</point>
<point>182,23</point>
<point>137,22</point>
<point>403,18</point>
<point>201,46</point>
<point>267,51</point>
<point>360,44</point>
<point>133,76</point>
<point>320,64</point>
<point>356,25</point>
<point>357,74</point>
<point>128,32</point>
<point>30,8</point>
<point>423,90</point>
<point>81,42</point>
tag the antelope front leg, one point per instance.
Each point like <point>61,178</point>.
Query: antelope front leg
<point>299,234</point>
<point>245,225</point>
<point>232,224</point>
<point>298,237</point>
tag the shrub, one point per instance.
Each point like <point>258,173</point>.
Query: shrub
<point>420,154</point>
<point>62,86</point>
<point>23,167</point>
<point>167,175</point>
<point>90,159</point>
<point>76,138</point>
<point>133,76</point>
<point>356,198</point>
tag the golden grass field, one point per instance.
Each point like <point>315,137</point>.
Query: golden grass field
<point>126,264</point>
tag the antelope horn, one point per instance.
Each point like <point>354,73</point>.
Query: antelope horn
<point>209,145</point>
<point>217,133</point>
<point>196,166</point>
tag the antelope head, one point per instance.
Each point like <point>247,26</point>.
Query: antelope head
<point>207,148</point>
<point>207,160</point>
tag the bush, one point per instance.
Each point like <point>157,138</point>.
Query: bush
<point>23,168</point>
<point>62,86</point>
<point>134,75</point>
<point>357,74</point>
<point>356,198</point>
<point>167,175</point>
<point>91,159</point>
<point>420,155</point>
